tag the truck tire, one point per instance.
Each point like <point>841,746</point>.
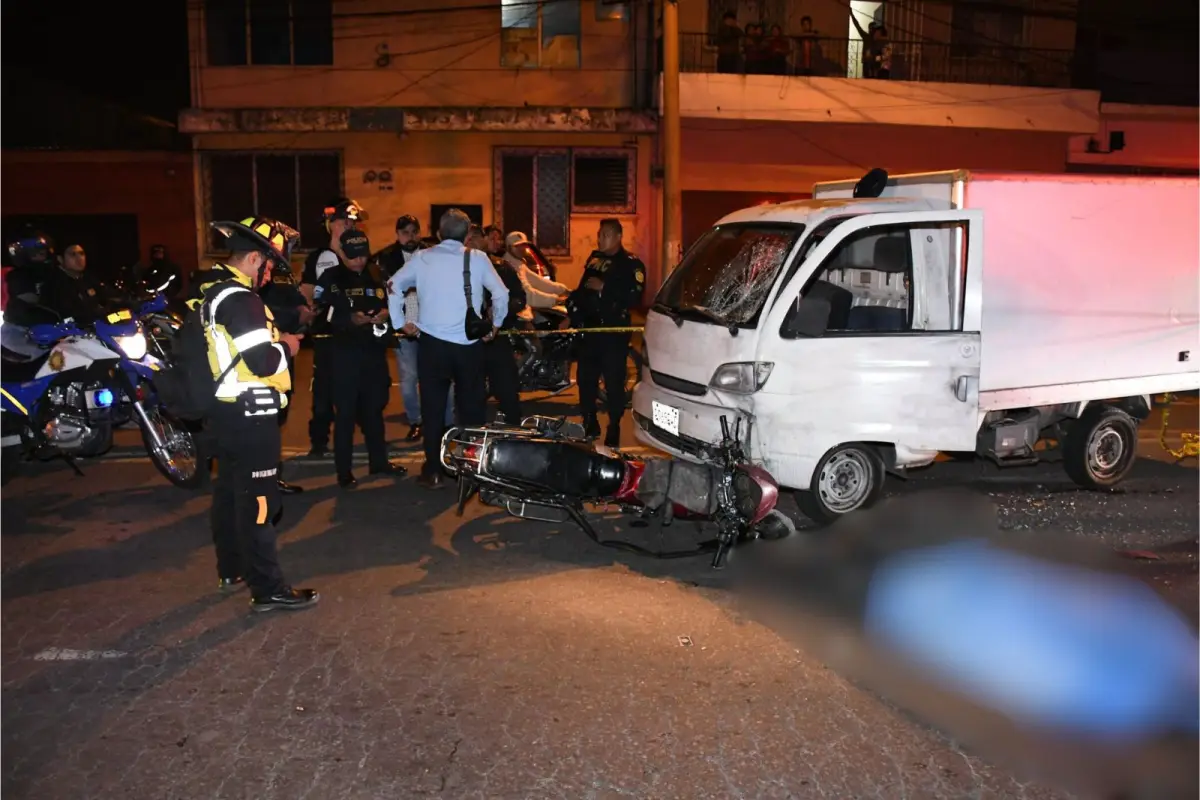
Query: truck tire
<point>1100,447</point>
<point>848,478</point>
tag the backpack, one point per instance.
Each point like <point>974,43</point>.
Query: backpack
<point>186,386</point>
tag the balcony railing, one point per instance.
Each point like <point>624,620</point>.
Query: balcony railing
<point>904,61</point>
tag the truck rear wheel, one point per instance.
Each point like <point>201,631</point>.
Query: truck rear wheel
<point>1100,447</point>
<point>848,478</point>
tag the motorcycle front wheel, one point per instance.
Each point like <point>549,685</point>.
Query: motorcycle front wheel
<point>178,455</point>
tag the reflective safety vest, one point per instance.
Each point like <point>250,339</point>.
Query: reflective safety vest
<point>224,348</point>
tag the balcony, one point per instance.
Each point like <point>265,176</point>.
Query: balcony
<point>924,61</point>
<point>824,80</point>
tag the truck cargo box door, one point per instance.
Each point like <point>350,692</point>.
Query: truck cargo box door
<point>876,338</point>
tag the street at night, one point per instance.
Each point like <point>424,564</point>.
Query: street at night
<point>480,656</point>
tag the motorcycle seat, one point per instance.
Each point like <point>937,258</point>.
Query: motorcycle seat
<point>23,371</point>
<point>559,467</point>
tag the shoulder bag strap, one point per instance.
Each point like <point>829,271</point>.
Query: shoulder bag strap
<point>467,277</point>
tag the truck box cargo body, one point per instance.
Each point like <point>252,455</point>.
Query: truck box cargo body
<point>944,312</point>
<point>1074,265</point>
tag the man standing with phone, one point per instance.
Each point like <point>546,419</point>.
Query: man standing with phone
<point>361,337</point>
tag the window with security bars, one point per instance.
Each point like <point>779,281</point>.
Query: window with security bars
<point>293,188</point>
<point>537,190</point>
<point>268,32</point>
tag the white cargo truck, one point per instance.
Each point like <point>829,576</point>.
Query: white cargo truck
<point>888,320</point>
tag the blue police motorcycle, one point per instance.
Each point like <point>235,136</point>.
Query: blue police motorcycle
<point>67,401</point>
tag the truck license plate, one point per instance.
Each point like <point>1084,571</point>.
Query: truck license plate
<point>665,417</point>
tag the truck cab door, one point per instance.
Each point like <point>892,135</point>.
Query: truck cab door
<point>876,339</point>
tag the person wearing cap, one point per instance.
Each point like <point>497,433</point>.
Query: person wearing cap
<point>248,357</point>
<point>446,354</point>
<point>540,292</point>
<point>390,260</point>
<point>360,338</point>
<point>500,363</point>
<point>340,216</point>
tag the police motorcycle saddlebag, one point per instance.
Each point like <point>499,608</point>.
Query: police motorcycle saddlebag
<point>558,467</point>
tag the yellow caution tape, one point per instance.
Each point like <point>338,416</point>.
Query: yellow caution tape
<point>1189,442</point>
<point>540,334</point>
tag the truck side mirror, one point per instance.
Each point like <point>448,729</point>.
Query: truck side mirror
<point>807,319</point>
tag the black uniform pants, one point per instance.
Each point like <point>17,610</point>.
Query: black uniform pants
<point>440,363</point>
<point>322,394</point>
<point>603,355</point>
<point>246,497</point>
<point>500,367</point>
<point>360,393</point>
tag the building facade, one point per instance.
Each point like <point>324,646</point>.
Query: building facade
<point>543,116</point>
<point>525,115</point>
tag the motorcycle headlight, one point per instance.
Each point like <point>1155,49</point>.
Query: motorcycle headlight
<point>747,494</point>
<point>743,377</point>
<point>133,346</point>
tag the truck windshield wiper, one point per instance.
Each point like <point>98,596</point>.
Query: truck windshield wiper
<point>711,316</point>
<point>663,308</point>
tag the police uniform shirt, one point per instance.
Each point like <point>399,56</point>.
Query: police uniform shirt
<point>78,296</point>
<point>346,292</point>
<point>315,266</point>
<point>624,277</point>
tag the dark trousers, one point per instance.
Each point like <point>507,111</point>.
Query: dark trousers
<point>440,363</point>
<point>246,497</point>
<point>500,367</point>
<point>603,356</point>
<point>360,393</point>
<point>322,394</point>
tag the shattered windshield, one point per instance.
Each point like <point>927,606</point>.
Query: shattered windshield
<point>726,276</point>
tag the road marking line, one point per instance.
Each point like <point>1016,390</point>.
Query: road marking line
<point>66,654</point>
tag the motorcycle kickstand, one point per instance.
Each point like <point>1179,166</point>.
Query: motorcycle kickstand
<point>71,463</point>
<point>583,523</point>
<point>466,490</point>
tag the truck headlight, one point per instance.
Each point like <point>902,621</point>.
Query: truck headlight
<point>742,377</point>
<point>133,346</point>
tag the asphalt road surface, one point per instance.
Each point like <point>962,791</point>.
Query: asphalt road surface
<point>473,657</point>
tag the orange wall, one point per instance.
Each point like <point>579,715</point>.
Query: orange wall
<point>431,59</point>
<point>156,187</point>
<point>778,157</point>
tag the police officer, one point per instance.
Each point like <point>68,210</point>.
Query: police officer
<point>360,338</point>
<point>292,314</point>
<point>32,258</point>
<point>499,361</point>
<point>611,286</point>
<point>340,216</point>
<point>248,357</point>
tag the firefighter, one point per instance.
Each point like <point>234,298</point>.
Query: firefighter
<point>611,286</point>
<point>340,216</point>
<point>248,357</point>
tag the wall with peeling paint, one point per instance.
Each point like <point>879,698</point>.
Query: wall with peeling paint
<point>383,58</point>
<point>444,168</point>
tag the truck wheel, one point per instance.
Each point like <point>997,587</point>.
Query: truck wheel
<point>1100,447</point>
<point>848,478</point>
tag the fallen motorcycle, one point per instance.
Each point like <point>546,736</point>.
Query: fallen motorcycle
<point>546,469</point>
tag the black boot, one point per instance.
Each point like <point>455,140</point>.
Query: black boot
<point>612,437</point>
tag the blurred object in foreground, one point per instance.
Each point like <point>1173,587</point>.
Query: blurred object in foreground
<point>1042,653</point>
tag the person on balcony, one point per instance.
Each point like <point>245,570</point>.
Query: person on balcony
<point>729,45</point>
<point>779,48</point>
<point>757,54</point>
<point>808,50</point>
